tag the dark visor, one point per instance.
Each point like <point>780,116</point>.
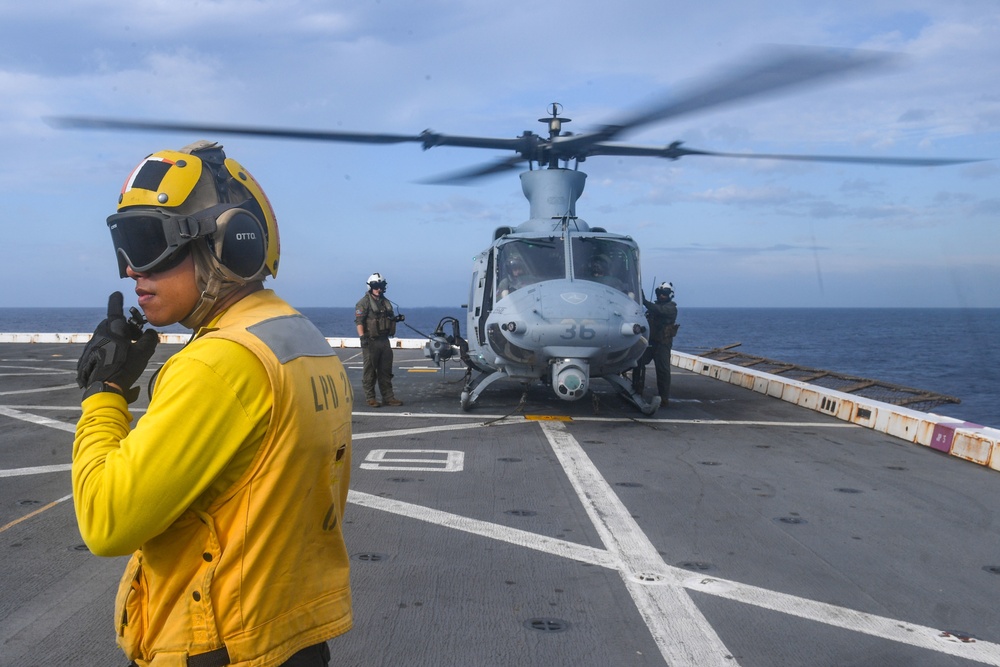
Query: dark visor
<point>145,238</point>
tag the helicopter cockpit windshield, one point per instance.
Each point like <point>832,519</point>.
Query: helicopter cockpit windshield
<point>525,262</point>
<point>612,262</point>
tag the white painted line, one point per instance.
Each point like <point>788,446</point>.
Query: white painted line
<point>37,470</point>
<point>683,634</point>
<point>493,419</point>
<point>32,371</point>
<point>425,429</point>
<point>824,423</point>
<point>655,586</point>
<point>433,415</point>
<point>55,408</point>
<point>849,619</point>
<point>35,419</point>
<point>432,460</point>
<point>40,390</point>
<point>549,545</point>
<point>740,422</point>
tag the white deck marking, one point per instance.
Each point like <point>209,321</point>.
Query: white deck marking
<point>658,588</point>
<point>519,419</point>
<point>424,429</point>
<point>433,460</point>
<point>841,617</point>
<point>33,370</point>
<point>36,470</point>
<point>35,419</point>
<point>39,390</point>
<point>523,538</point>
<point>683,634</point>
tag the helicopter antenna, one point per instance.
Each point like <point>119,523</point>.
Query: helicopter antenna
<point>554,122</point>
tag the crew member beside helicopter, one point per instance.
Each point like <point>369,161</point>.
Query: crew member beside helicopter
<point>376,324</point>
<point>662,318</point>
<point>224,492</point>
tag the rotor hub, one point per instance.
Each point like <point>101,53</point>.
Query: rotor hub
<point>554,121</point>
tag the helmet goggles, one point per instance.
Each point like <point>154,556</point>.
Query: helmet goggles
<point>148,239</point>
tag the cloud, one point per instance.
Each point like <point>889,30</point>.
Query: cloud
<point>736,195</point>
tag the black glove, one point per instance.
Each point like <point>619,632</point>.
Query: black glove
<point>400,318</point>
<point>117,352</point>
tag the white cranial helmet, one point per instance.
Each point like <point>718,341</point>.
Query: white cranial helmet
<point>665,288</point>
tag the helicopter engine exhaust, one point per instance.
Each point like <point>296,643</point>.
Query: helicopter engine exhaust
<point>570,378</point>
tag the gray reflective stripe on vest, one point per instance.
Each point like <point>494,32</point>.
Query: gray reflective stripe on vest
<point>291,337</point>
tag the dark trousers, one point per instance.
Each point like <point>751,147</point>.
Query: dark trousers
<point>317,655</point>
<point>661,362</point>
<point>377,369</point>
<point>659,354</point>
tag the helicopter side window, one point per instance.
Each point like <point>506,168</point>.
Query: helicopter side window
<point>487,307</point>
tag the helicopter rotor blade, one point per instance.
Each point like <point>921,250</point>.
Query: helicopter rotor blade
<point>427,138</point>
<point>466,176</point>
<point>675,151</point>
<point>776,69</point>
<point>93,123</point>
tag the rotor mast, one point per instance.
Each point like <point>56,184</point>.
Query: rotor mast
<point>554,122</point>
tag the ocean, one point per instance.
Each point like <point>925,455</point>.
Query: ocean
<point>951,351</point>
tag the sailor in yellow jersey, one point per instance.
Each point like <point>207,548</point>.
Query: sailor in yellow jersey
<point>230,491</point>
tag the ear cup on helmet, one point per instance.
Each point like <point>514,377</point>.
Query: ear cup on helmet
<point>240,243</point>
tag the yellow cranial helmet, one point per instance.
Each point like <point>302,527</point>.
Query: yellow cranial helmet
<point>174,197</point>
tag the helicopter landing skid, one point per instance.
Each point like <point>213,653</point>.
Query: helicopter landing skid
<point>632,396</point>
<point>476,386</point>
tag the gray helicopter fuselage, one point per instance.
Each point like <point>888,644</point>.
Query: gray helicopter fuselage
<point>554,299</point>
<point>557,319</point>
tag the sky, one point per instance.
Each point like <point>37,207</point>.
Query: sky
<point>726,232</point>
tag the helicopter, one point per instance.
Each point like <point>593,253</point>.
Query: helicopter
<point>554,299</point>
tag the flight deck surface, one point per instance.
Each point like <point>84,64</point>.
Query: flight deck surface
<point>729,529</point>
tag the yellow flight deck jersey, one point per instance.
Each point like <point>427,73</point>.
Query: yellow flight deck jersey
<point>230,491</point>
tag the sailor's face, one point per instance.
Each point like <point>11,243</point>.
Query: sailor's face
<point>166,297</point>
